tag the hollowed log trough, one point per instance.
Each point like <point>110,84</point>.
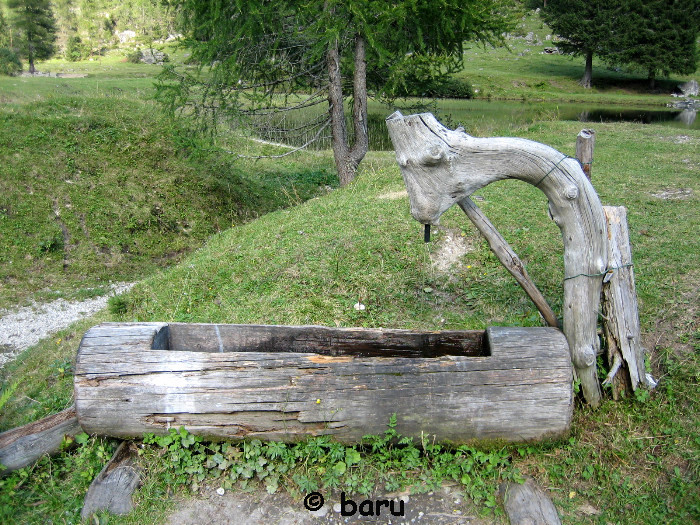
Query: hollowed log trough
<point>286,383</point>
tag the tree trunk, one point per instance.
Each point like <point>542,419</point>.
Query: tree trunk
<point>652,79</point>
<point>290,382</point>
<point>347,158</point>
<point>361,139</point>
<point>339,132</point>
<point>441,167</point>
<point>588,71</point>
<point>30,55</point>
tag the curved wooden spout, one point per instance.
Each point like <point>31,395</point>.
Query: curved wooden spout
<point>442,167</point>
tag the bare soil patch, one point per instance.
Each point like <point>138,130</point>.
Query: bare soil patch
<point>674,194</point>
<point>451,248</point>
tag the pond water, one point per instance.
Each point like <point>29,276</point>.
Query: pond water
<point>484,118</point>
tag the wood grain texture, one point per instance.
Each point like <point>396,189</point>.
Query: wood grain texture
<point>520,390</point>
<point>585,144</point>
<point>620,309</point>
<point>113,487</point>
<point>441,167</point>
<point>528,504</point>
<point>23,445</point>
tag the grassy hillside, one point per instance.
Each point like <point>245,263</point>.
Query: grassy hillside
<point>98,186</point>
<point>523,71</point>
<point>634,461</point>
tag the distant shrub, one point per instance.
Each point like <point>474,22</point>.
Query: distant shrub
<point>534,4</point>
<point>447,88</point>
<point>134,57</point>
<point>452,88</point>
<point>10,64</point>
<point>76,49</point>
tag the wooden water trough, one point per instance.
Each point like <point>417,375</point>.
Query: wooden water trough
<point>290,382</point>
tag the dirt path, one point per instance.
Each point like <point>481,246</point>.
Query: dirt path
<point>23,327</point>
<point>442,507</point>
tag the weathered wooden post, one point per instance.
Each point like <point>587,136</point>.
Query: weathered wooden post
<point>585,143</point>
<point>620,312</point>
<point>442,167</point>
<point>23,445</point>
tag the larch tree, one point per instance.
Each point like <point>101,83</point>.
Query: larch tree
<point>35,27</point>
<point>265,57</point>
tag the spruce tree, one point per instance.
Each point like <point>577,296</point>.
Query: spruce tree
<point>586,27</point>
<point>36,29</point>
<point>4,31</point>
<point>657,36</point>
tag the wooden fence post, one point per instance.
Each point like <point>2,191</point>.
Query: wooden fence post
<point>585,143</point>
<point>620,310</point>
<point>619,297</point>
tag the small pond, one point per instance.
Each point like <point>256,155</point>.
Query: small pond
<point>484,118</point>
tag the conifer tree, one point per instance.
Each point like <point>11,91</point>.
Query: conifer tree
<point>586,27</point>
<point>35,25</point>
<point>4,30</point>
<point>258,55</point>
<point>657,36</point>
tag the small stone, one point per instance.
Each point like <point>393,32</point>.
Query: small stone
<point>336,507</point>
<point>320,513</point>
<point>220,491</point>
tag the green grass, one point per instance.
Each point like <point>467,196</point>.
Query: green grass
<point>98,186</point>
<point>633,461</point>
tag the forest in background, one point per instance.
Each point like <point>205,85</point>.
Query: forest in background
<point>88,28</point>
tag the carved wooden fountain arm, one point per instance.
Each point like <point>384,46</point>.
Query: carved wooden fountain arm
<point>442,167</point>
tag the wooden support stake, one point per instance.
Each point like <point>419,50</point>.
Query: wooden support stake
<point>23,445</point>
<point>585,143</point>
<point>620,310</point>
<point>500,247</point>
